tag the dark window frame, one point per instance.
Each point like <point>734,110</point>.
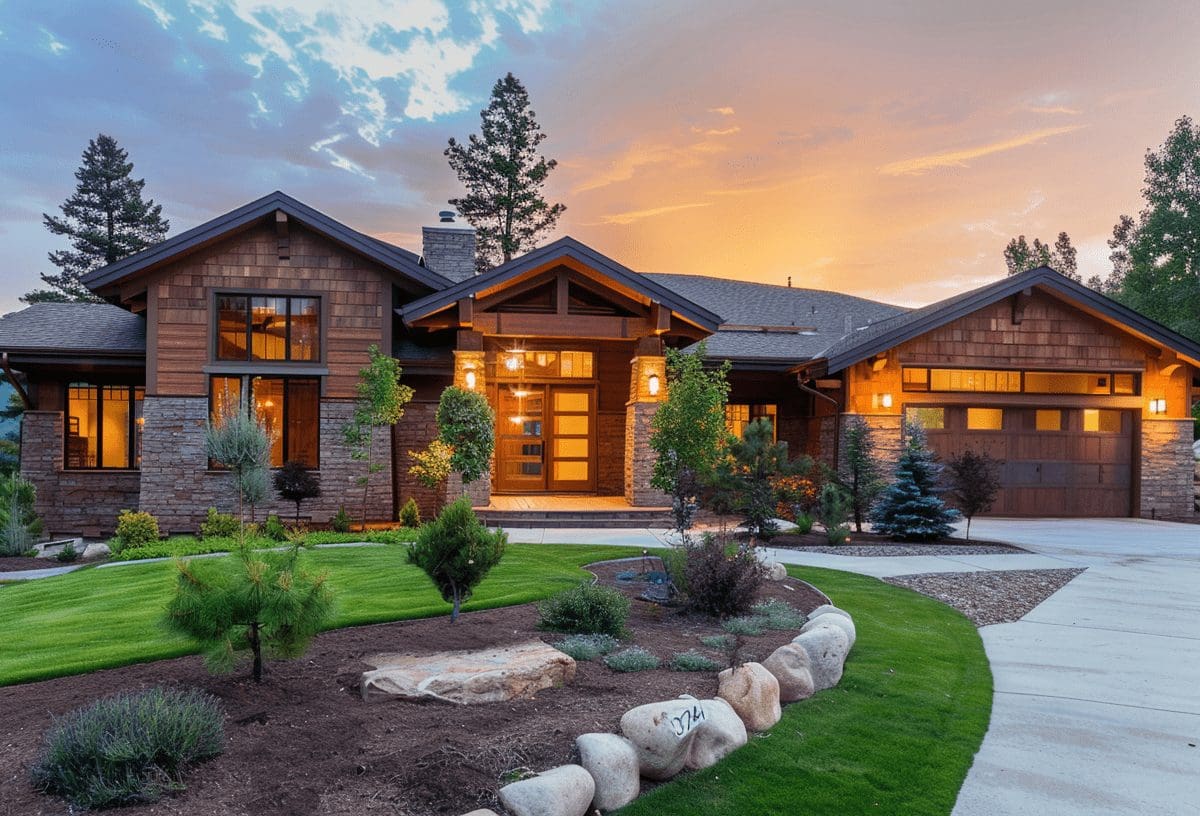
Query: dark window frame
<point>131,444</point>
<point>249,297</point>
<point>927,386</point>
<point>246,395</point>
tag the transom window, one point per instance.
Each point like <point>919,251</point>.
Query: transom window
<point>289,408</point>
<point>738,416</point>
<point>267,327</point>
<point>1003,381</point>
<point>103,426</point>
<point>545,364</point>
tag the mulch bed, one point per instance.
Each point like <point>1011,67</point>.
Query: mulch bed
<point>990,597</point>
<point>20,563</point>
<point>304,743</point>
<point>870,545</point>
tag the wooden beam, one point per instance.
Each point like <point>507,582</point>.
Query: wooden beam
<point>469,341</point>
<point>281,235</point>
<point>1020,301</point>
<point>546,325</point>
<point>880,362</point>
<point>649,346</point>
<point>562,294</point>
<point>16,384</point>
<point>660,318</point>
<point>466,312</point>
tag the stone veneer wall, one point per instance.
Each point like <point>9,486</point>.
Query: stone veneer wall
<point>886,435</point>
<point>610,453</point>
<point>1167,468</point>
<point>415,430</point>
<point>178,488</point>
<point>640,457</point>
<point>77,502</point>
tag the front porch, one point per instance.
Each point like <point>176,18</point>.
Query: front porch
<point>559,511</point>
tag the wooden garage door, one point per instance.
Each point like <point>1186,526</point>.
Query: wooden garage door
<point>1057,461</point>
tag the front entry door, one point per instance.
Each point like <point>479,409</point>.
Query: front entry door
<point>545,439</point>
<point>520,440</point>
<point>572,431</point>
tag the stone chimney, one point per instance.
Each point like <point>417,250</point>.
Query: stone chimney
<point>449,248</point>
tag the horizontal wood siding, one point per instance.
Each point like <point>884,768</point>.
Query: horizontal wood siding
<point>353,295</point>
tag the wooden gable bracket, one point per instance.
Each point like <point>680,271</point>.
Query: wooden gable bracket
<point>1168,364</point>
<point>1020,301</point>
<point>16,384</point>
<point>660,317</point>
<point>281,235</point>
<point>880,362</point>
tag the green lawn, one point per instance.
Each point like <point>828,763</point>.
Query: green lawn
<point>895,737</point>
<point>99,618</point>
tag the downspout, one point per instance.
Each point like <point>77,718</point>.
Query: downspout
<point>837,419</point>
<point>12,378</point>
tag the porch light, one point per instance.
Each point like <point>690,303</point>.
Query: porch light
<point>652,385</point>
<point>1158,406</point>
<point>516,420</point>
<point>512,362</point>
<point>885,400</point>
<point>469,378</point>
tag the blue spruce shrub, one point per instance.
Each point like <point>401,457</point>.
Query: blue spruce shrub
<point>910,509</point>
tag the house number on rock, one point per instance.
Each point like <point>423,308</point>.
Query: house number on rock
<point>687,719</point>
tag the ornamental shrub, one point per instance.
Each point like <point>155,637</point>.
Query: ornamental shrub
<point>431,466</point>
<point>911,509</point>
<point>219,525</point>
<point>777,614</point>
<point>745,625</point>
<point>722,582</point>
<point>693,661</point>
<point>633,659</point>
<point>467,425</point>
<point>410,514</point>
<point>134,529</point>
<point>273,529</point>
<point>294,482</point>
<point>586,609</point>
<point>67,554</point>
<point>974,483</point>
<point>456,551</point>
<point>129,748</point>
<point>19,522</point>
<point>586,647</point>
<point>340,523</point>
<point>833,508</point>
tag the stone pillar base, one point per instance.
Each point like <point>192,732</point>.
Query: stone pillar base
<point>1167,469</point>
<point>640,457</point>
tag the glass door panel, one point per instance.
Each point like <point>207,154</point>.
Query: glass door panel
<point>520,452</point>
<point>571,442</point>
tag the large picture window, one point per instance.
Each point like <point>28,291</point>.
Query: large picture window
<point>289,408</point>
<point>1003,381</point>
<point>103,427</point>
<point>262,327</point>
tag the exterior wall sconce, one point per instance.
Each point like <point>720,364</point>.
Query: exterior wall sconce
<point>652,385</point>
<point>885,400</point>
<point>512,362</point>
<point>1158,406</point>
<point>469,378</point>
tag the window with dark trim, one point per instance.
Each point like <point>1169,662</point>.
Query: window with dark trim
<point>268,327</point>
<point>1012,381</point>
<point>289,408</point>
<point>102,427</point>
<point>737,416</point>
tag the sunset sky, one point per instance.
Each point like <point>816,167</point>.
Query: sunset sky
<point>887,149</point>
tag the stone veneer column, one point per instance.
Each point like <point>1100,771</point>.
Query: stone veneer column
<point>1167,469</point>
<point>639,411</point>
<point>178,487</point>
<point>886,434</point>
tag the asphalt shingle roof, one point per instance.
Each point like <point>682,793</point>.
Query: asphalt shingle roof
<point>78,327</point>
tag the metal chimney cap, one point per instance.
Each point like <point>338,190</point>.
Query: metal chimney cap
<point>446,216</point>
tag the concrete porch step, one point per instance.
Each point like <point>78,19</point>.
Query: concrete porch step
<point>601,519</point>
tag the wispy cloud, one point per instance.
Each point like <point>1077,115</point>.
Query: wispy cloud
<point>729,131</point>
<point>722,111</point>
<point>1053,103</point>
<point>325,147</point>
<point>638,215</point>
<point>960,158</point>
<point>54,44</point>
<point>161,15</point>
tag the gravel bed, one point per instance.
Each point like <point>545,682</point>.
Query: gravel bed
<point>989,597</point>
<point>885,550</point>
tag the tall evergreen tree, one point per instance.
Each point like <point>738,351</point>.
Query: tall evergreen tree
<point>910,508</point>
<point>1021,256</point>
<point>105,219</point>
<point>504,176</point>
<point>860,473</point>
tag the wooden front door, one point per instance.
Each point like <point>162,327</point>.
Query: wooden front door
<point>572,440</point>
<point>520,439</point>
<point>545,439</point>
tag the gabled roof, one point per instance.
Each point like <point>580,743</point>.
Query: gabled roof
<point>881,336</point>
<point>398,260</point>
<point>73,328</point>
<point>565,247</point>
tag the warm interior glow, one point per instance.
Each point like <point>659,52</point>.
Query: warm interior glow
<point>1158,406</point>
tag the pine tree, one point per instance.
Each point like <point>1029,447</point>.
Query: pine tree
<point>105,220</point>
<point>861,474</point>
<point>1021,256</point>
<point>457,552</point>
<point>504,175</point>
<point>910,508</point>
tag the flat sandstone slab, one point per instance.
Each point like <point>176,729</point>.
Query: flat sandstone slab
<point>467,677</point>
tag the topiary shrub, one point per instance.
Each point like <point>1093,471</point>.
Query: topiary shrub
<point>134,529</point>
<point>467,425</point>
<point>456,551</point>
<point>586,647</point>
<point>219,525</point>
<point>294,482</point>
<point>129,748</point>
<point>410,514</point>
<point>340,523</point>
<point>633,659</point>
<point>721,582</point>
<point>585,609</point>
<point>274,529</point>
<point>693,661</point>
<point>19,522</point>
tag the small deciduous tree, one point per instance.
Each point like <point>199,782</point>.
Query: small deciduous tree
<point>263,602</point>
<point>19,522</point>
<point>456,551</point>
<point>467,426</point>
<point>974,483</point>
<point>240,443</point>
<point>380,404</point>
<point>910,508</point>
<point>861,476</point>
<point>294,482</point>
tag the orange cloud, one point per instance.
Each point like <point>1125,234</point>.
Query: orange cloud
<point>959,158</point>
<point>637,215</point>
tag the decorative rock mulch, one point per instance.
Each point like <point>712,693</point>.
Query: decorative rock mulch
<point>870,545</point>
<point>987,597</point>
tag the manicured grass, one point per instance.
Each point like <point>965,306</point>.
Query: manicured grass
<point>182,545</point>
<point>896,737</point>
<point>100,618</point>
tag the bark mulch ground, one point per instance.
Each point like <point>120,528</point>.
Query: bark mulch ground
<point>304,742</point>
<point>870,545</point>
<point>19,563</point>
<point>990,597</point>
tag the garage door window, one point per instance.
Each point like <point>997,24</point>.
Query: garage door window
<point>1049,420</point>
<point>1096,420</point>
<point>985,419</point>
<point>931,419</point>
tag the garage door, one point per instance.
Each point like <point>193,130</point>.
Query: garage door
<point>1057,461</point>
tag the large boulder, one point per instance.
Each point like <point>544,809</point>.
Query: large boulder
<point>776,571</point>
<point>791,668</point>
<point>753,692</point>
<point>613,763</point>
<point>483,676</point>
<point>662,734</point>
<point>827,646</point>
<point>721,733</point>
<point>827,608</point>
<point>563,791</point>
<point>481,812</point>
<point>843,622</point>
